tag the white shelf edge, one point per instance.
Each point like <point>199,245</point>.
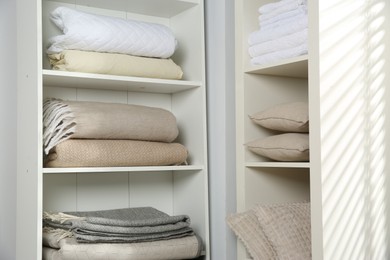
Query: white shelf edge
<point>57,78</point>
<point>293,67</point>
<point>277,164</point>
<point>124,169</point>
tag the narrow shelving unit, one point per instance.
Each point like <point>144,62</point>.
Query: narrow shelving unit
<point>258,87</point>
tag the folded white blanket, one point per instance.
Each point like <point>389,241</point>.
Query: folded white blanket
<point>280,55</point>
<point>91,32</point>
<point>283,22</point>
<point>281,6</point>
<point>265,19</point>
<point>260,36</point>
<point>282,43</point>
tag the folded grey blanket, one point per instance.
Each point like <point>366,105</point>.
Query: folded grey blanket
<point>120,225</point>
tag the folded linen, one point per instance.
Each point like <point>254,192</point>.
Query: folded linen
<point>281,6</point>
<point>92,32</point>
<point>97,120</point>
<point>120,225</point>
<point>115,64</point>
<point>265,19</point>
<point>282,23</point>
<point>262,35</point>
<point>280,55</point>
<point>115,153</point>
<point>280,44</point>
<point>56,247</point>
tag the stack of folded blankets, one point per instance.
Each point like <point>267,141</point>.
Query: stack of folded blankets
<point>282,34</point>
<point>97,134</point>
<point>143,233</point>
<point>108,45</point>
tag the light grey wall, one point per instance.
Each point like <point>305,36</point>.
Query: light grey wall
<point>7,129</point>
<point>221,124</point>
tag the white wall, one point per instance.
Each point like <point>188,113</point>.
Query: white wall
<point>221,123</point>
<point>7,129</point>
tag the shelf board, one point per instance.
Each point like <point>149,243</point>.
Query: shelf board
<point>166,8</point>
<point>277,164</point>
<point>124,169</point>
<point>295,67</point>
<point>56,78</point>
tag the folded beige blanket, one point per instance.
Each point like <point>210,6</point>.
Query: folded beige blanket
<point>97,120</point>
<point>115,153</point>
<point>115,64</point>
<point>56,246</point>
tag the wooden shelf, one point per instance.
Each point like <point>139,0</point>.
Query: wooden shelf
<point>295,67</point>
<point>55,78</point>
<point>124,169</point>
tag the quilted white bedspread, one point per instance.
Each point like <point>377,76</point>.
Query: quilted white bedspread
<point>91,32</point>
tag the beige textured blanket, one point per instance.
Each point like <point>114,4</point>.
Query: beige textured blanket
<point>115,153</point>
<point>56,246</point>
<point>115,64</point>
<point>97,120</point>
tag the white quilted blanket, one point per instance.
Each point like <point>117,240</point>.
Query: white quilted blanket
<point>91,32</point>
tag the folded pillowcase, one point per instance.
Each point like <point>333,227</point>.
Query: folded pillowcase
<point>288,229</point>
<point>288,117</point>
<point>283,147</point>
<point>115,64</point>
<point>247,228</point>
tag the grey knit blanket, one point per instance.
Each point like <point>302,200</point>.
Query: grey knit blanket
<point>120,225</point>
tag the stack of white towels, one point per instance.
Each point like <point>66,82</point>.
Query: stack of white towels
<point>282,34</point>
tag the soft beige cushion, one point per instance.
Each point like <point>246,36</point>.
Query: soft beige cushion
<point>288,228</point>
<point>247,228</point>
<point>283,147</point>
<point>115,64</point>
<point>290,117</point>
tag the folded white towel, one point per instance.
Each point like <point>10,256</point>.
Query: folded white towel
<point>284,22</point>
<point>282,43</point>
<point>265,19</point>
<point>270,58</point>
<point>260,36</point>
<point>281,6</point>
<point>91,32</point>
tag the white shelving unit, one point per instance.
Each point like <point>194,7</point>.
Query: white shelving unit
<point>260,180</point>
<point>172,189</point>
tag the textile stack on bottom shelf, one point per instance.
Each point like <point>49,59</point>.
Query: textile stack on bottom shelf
<point>131,233</point>
<point>94,43</point>
<point>97,134</point>
<point>282,34</point>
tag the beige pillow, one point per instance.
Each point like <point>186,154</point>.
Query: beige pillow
<point>289,117</point>
<point>288,229</point>
<point>247,228</point>
<point>283,147</point>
